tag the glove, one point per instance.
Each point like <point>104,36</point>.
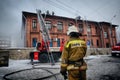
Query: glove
<point>64,73</point>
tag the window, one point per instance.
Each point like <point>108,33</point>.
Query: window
<point>48,25</point>
<point>34,23</point>
<point>96,28</point>
<point>58,42</point>
<point>80,27</point>
<point>51,43</point>
<point>34,41</point>
<point>92,42</point>
<point>60,26</point>
<point>97,42</point>
<point>107,45</point>
<point>89,28</point>
<point>105,35</point>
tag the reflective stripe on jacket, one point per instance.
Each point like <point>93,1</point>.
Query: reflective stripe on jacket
<point>74,50</point>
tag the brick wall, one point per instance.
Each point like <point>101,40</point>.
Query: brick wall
<point>95,36</point>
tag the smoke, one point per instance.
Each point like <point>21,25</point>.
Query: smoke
<point>11,19</point>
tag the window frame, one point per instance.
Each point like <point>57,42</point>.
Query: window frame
<point>105,34</point>
<point>34,39</point>
<point>97,42</point>
<point>48,24</point>
<point>89,28</point>
<point>34,23</point>
<point>59,26</point>
<point>80,27</point>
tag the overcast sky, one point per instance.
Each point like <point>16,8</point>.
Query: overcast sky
<point>96,10</point>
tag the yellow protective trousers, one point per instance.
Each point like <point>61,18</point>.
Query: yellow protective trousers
<point>77,75</point>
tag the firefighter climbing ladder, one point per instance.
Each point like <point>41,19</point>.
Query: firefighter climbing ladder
<point>45,35</point>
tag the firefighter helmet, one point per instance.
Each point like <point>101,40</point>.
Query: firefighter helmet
<point>72,29</point>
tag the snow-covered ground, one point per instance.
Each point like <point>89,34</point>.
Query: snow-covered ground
<point>99,66</point>
<point>103,67</point>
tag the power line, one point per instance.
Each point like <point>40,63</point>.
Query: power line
<point>102,6</point>
<point>69,6</point>
<point>58,6</point>
<point>96,10</point>
<point>63,6</point>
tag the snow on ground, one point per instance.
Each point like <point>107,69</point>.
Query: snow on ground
<point>23,64</point>
<point>98,65</point>
<point>104,66</point>
<point>95,56</point>
<point>15,65</point>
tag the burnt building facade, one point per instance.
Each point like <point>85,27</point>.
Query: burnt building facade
<point>96,34</point>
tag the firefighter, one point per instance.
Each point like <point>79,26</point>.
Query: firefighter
<point>73,66</point>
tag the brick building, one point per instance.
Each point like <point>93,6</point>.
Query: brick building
<point>96,34</point>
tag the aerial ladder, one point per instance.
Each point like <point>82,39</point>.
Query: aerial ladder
<point>45,35</point>
<point>43,52</point>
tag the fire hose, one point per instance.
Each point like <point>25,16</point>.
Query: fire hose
<point>49,76</point>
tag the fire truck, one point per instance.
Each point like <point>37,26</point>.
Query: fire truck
<point>42,52</point>
<point>116,50</point>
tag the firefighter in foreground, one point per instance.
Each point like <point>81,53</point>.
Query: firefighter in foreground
<point>72,56</point>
